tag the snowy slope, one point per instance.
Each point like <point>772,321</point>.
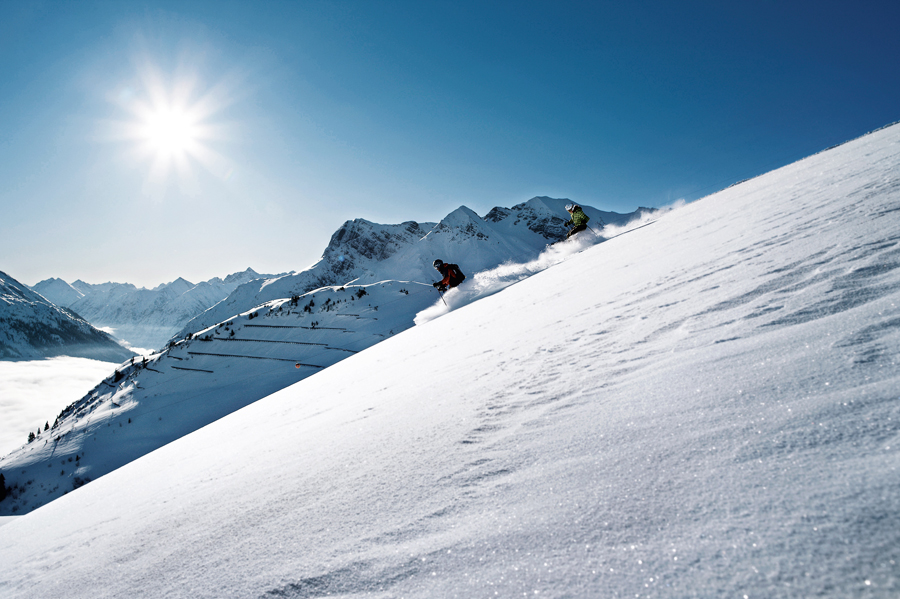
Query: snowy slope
<point>32,327</point>
<point>147,403</point>
<point>145,318</point>
<point>712,412</point>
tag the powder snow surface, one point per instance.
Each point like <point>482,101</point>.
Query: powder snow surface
<point>708,406</point>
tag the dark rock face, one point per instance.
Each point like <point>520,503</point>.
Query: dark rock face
<point>547,226</point>
<point>535,215</point>
<point>359,241</point>
<point>375,242</point>
<point>497,214</point>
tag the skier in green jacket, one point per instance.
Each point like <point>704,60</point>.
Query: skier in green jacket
<point>577,217</point>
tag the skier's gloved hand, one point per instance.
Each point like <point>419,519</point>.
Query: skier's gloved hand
<point>435,285</point>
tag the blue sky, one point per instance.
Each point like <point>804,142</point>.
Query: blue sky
<point>292,117</point>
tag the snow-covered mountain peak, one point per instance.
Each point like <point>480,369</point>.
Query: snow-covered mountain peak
<point>58,291</point>
<point>31,326</point>
<point>541,215</point>
<point>176,287</point>
<point>538,204</point>
<point>360,244</point>
<point>145,318</point>
<point>241,277</point>
<point>372,240</point>
<point>462,216</point>
<point>460,225</point>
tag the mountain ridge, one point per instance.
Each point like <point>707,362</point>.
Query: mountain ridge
<point>144,318</point>
<point>405,251</point>
<point>32,327</point>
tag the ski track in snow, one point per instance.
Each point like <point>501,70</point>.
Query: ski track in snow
<point>705,407</point>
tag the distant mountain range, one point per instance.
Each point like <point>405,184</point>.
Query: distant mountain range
<point>364,252</point>
<point>143,318</point>
<point>31,327</point>
<point>359,251</point>
<point>270,333</point>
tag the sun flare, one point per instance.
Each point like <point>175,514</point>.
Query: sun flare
<point>170,131</point>
<point>174,130</point>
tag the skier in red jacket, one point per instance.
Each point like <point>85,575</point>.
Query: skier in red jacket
<point>453,276</point>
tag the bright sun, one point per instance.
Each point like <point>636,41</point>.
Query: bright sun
<point>170,132</point>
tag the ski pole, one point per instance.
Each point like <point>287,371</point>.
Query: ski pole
<point>442,297</point>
